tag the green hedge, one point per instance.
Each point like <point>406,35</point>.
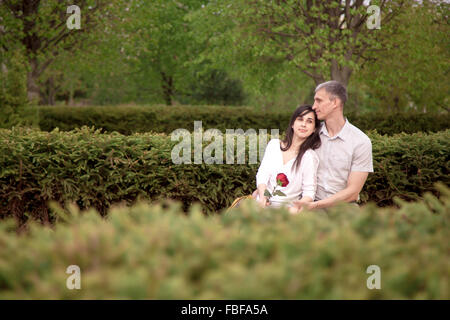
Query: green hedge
<point>97,170</point>
<point>163,119</point>
<point>156,252</point>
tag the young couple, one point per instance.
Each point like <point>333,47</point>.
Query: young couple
<point>317,164</point>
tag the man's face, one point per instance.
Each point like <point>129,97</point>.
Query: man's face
<point>324,104</point>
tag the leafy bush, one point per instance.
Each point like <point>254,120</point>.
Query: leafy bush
<point>163,119</point>
<point>14,109</point>
<point>156,252</point>
<point>406,165</point>
<point>98,170</point>
<point>215,87</point>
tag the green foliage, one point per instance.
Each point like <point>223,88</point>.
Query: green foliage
<point>405,165</point>
<point>144,55</point>
<point>97,170</point>
<point>130,119</point>
<point>398,122</point>
<point>215,87</point>
<point>39,28</point>
<point>160,44</point>
<point>312,37</point>
<point>160,51</point>
<point>157,252</point>
<point>13,91</point>
<point>268,78</point>
<point>400,78</point>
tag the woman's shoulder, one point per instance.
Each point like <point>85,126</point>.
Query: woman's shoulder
<point>310,153</point>
<point>274,142</point>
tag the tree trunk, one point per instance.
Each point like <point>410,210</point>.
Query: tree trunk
<point>167,86</point>
<point>318,79</point>
<point>71,94</point>
<point>51,91</point>
<point>341,74</point>
<point>4,68</point>
<point>33,91</point>
<point>396,106</point>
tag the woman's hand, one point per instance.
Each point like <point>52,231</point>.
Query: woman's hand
<point>263,201</point>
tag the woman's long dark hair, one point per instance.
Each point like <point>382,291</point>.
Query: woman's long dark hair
<point>312,142</point>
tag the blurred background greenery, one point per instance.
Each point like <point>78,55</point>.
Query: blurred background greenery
<point>267,55</point>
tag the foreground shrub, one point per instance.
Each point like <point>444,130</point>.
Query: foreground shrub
<point>97,170</point>
<point>156,252</point>
<point>163,119</point>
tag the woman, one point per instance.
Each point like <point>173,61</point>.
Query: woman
<point>292,162</point>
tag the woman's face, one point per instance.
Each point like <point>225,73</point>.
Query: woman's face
<point>304,125</point>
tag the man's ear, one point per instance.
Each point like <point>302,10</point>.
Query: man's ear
<point>335,102</point>
<point>338,103</point>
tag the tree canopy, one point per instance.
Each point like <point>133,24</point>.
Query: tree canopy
<point>267,53</point>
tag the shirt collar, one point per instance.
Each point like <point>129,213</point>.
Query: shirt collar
<point>343,134</point>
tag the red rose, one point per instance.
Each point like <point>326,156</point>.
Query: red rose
<point>282,180</point>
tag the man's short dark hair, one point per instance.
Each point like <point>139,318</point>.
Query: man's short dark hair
<point>335,89</point>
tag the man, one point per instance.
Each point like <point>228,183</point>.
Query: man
<point>345,153</point>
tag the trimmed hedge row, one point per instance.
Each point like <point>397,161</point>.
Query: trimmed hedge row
<point>97,170</point>
<point>163,119</point>
<point>156,252</point>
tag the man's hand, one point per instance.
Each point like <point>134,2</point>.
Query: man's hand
<point>295,210</point>
<point>355,183</point>
<point>300,204</point>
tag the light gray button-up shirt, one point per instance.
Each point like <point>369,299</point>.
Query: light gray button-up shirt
<point>350,150</point>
